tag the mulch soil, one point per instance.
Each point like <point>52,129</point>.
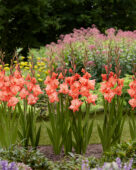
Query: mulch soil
<point>92,150</point>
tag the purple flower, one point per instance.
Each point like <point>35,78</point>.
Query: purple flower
<point>4,165</point>
<point>12,166</point>
<point>118,161</point>
<point>85,165</point>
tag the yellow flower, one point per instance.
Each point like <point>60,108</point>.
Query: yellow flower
<point>6,68</point>
<point>29,57</point>
<point>22,57</point>
<point>42,63</point>
<point>30,65</point>
<point>6,64</point>
<point>27,68</point>
<point>39,79</point>
<point>15,62</point>
<point>46,72</point>
<point>39,70</point>
<point>22,63</point>
<point>38,63</point>
<point>35,67</point>
<point>38,75</point>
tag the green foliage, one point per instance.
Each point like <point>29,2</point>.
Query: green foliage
<point>132,125</point>
<point>82,130</point>
<point>55,132</point>
<point>125,151</point>
<point>28,131</point>
<point>33,158</point>
<point>69,129</point>
<point>8,126</point>
<point>111,131</point>
<point>60,132</point>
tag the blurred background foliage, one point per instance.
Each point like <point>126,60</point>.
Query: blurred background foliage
<point>33,23</point>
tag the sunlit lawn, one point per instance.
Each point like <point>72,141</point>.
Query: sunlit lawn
<point>94,139</point>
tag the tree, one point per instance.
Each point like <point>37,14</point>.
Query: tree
<point>21,23</point>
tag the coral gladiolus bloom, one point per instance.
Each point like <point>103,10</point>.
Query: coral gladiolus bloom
<point>23,93</point>
<point>64,88</point>
<point>75,104</point>
<point>91,98</point>
<point>37,90</point>
<point>14,89</point>
<point>12,102</point>
<point>53,97</point>
<point>60,76</point>
<point>32,99</point>
<point>132,102</point>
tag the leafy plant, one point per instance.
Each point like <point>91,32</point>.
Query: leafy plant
<point>28,131</point>
<point>8,126</point>
<point>31,157</point>
<point>60,132</point>
<point>82,130</point>
<point>111,131</point>
<point>132,125</point>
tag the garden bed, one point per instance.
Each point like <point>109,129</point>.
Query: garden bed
<point>92,150</point>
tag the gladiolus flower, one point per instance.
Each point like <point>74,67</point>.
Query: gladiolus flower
<point>54,75</point>
<point>74,93</point>
<point>84,91</point>
<point>14,89</point>
<point>87,75</point>
<point>109,96</point>
<point>12,102</point>
<point>91,98</point>
<point>70,70</point>
<point>37,90</point>
<point>32,99</point>
<point>83,70</point>
<point>49,90</point>
<point>60,76</point>
<point>132,102</point>
<point>64,88</point>
<point>53,97</point>
<point>48,80</point>
<point>132,92</point>
<point>118,90</point>
<point>23,93</point>
<point>91,84</point>
<point>29,86</point>
<point>104,77</point>
<point>75,104</point>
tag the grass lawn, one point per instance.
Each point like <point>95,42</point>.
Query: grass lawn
<point>44,140</point>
